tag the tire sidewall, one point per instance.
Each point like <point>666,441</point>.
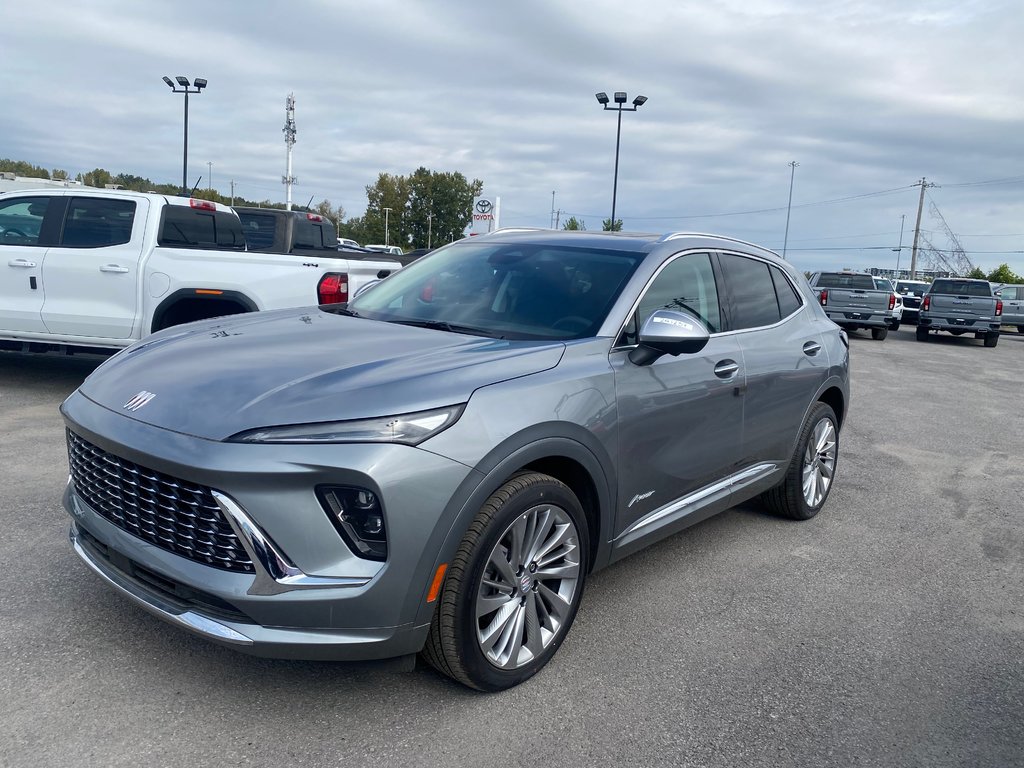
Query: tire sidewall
<point>484,674</point>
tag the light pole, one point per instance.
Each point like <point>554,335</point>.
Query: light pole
<point>899,249</point>
<point>199,84</point>
<point>430,228</point>
<point>620,99</point>
<point>386,212</point>
<point>792,171</point>
<point>209,178</point>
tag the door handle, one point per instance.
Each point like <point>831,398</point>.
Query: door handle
<point>21,263</point>
<point>726,369</point>
<point>812,348</point>
<point>113,268</point>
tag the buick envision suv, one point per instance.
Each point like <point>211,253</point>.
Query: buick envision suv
<point>438,465</point>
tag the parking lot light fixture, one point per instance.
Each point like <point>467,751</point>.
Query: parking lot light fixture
<point>620,99</point>
<point>186,88</point>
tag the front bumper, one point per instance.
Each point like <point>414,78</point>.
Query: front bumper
<point>310,596</point>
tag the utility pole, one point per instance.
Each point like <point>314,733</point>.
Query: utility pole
<point>386,212</point>
<point>430,228</point>
<point>232,192</point>
<point>792,172</point>
<point>209,179</point>
<point>289,142</point>
<point>917,229</point>
<point>552,209</point>
<point>899,248</point>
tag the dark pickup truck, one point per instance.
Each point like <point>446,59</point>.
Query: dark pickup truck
<point>959,306</point>
<point>851,301</point>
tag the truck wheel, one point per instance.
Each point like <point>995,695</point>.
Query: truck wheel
<point>514,586</point>
<point>895,325</point>
<point>991,339</point>
<point>879,333</point>
<point>1020,329</point>
<point>804,489</point>
<point>922,333</point>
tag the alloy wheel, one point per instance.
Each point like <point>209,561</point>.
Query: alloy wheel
<point>819,463</point>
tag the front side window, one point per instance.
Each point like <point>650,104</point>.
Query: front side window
<point>1009,293</point>
<point>507,290</point>
<point>687,283</point>
<point>21,220</point>
<point>752,290</point>
<point>95,222</point>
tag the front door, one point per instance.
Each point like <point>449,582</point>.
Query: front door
<point>1013,305</point>
<point>21,293</point>
<point>680,418</point>
<point>92,277</point>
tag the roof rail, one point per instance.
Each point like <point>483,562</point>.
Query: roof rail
<point>677,235</point>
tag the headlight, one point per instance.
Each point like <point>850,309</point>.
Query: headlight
<point>407,429</point>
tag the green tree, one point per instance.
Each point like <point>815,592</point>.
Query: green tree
<point>59,175</point>
<point>976,274</point>
<point>574,223</point>
<point>607,225</point>
<point>96,178</point>
<point>1003,274</point>
<point>21,168</point>
<point>326,209</point>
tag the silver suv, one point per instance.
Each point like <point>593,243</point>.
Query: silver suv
<point>439,465</point>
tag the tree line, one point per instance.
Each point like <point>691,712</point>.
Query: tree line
<point>425,208</point>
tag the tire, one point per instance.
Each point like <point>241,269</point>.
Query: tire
<point>816,459</point>
<point>991,339</point>
<point>1020,329</point>
<point>878,334</point>
<point>922,333</point>
<point>483,637</point>
<point>895,325</point>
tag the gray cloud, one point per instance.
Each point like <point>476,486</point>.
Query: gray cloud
<point>866,95</point>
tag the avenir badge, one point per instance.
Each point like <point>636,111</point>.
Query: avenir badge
<point>139,400</point>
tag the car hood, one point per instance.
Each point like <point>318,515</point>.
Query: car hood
<point>216,378</point>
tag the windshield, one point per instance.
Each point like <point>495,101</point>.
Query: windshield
<point>961,288</point>
<point>918,289</point>
<point>512,291</point>
<point>841,280</point>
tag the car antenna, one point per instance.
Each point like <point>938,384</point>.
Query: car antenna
<point>194,188</point>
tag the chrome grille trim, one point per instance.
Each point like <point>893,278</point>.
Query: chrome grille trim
<point>168,512</point>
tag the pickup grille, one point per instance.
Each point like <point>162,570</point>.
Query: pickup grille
<point>172,514</point>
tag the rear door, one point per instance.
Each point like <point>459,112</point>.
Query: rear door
<point>782,353</point>
<point>91,278</point>
<point>22,248</point>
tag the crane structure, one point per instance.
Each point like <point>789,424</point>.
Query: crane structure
<point>953,259</point>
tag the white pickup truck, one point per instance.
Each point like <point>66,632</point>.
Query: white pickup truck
<point>102,268</point>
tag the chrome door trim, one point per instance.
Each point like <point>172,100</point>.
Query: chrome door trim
<point>750,473</point>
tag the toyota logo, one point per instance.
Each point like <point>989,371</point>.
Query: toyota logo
<point>484,206</point>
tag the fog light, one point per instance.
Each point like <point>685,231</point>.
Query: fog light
<point>357,515</point>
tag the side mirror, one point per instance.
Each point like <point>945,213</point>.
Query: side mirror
<point>669,332</point>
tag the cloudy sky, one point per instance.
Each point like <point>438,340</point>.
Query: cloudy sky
<point>868,96</point>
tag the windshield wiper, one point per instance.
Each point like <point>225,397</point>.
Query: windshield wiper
<point>444,325</point>
<point>345,311</point>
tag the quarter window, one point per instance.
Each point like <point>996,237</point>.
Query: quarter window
<point>94,222</point>
<point>789,301</point>
<point>753,293</point>
<point>21,220</point>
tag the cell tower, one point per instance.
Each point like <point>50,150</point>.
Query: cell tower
<point>289,142</point>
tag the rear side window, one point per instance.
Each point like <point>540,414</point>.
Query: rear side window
<point>309,235</point>
<point>21,219</point>
<point>183,227</point>
<point>95,222</point>
<point>789,301</point>
<point>1010,292</point>
<point>839,280</point>
<point>259,230</point>
<point>961,288</point>
<point>753,292</point>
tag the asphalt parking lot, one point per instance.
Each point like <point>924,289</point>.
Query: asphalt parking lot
<point>887,631</point>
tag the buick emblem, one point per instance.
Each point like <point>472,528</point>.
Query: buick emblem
<point>139,400</point>
<point>484,206</point>
<point>525,582</point>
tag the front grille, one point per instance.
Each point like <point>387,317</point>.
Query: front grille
<point>173,514</point>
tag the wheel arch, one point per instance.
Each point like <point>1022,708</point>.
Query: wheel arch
<point>189,297</point>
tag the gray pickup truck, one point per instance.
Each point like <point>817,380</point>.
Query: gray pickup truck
<point>851,301</point>
<point>959,305</point>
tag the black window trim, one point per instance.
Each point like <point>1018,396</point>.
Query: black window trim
<point>731,331</point>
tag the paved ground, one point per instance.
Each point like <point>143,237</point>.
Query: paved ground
<point>889,631</point>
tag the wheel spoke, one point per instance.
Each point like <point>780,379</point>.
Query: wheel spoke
<point>486,605</point>
<point>510,657</point>
<point>566,570</point>
<point>558,607</point>
<point>502,566</point>
<point>498,626</point>
<point>534,641</point>
<point>516,537</point>
<point>545,520</point>
<point>560,534</point>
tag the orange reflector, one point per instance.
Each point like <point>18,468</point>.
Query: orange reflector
<point>209,292</point>
<point>435,587</point>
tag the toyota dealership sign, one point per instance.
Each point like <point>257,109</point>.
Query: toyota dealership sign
<point>486,212</point>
